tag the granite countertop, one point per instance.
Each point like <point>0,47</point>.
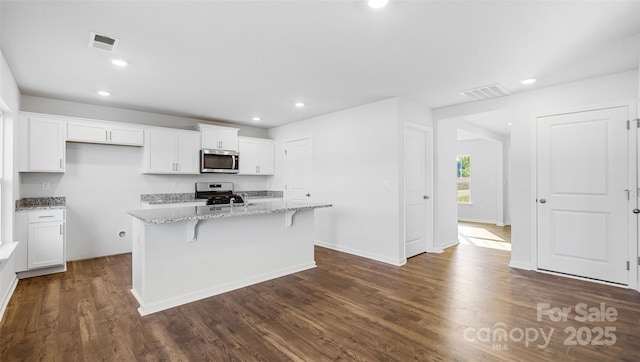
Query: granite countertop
<point>41,203</point>
<point>176,198</point>
<point>192,213</point>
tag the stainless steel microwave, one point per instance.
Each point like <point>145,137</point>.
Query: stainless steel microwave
<point>218,161</point>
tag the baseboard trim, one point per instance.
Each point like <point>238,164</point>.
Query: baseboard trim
<point>481,221</point>
<point>449,244</point>
<point>8,295</point>
<point>361,253</point>
<point>43,271</point>
<point>435,251</point>
<point>520,265</point>
<point>149,308</point>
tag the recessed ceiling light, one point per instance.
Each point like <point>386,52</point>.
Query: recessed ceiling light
<point>104,93</point>
<point>119,62</point>
<point>509,124</point>
<point>528,81</point>
<point>256,119</point>
<point>299,104</point>
<point>377,4</point>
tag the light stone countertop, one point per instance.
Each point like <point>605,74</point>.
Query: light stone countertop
<point>40,203</point>
<point>192,213</point>
<point>177,198</point>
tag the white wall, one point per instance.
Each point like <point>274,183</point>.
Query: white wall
<point>484,190</point>
<point>95,213</point>
<point>446,205</point>
<point>354,152</point>
<point>521,109</point>
<point>9,105</point>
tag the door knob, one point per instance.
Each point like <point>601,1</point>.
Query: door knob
<point>308,195</point>
<point>636,211</point>
<point>425,197</point>
<point>542,201</point>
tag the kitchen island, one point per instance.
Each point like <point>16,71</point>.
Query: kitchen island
<point>184,254</point>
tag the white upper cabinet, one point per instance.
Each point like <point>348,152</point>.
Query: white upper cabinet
<point>171,151</point>
<point>104,132</point>
<point>256,156</point>
<point>218,137</point>
<point>42,144</point>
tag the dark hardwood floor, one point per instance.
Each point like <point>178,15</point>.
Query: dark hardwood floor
<point>439,307</point>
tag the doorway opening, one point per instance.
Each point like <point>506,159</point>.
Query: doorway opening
<point>482,181</point>
<point>485,235</point>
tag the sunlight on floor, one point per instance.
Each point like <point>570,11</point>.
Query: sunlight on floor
<point>479,236</point>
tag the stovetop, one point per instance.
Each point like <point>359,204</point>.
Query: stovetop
<point>217,193</point>
<point>224,199</point>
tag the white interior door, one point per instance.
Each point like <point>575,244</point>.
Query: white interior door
<point>582,198</point>
<point>418,225</point>
<point>298,169</point>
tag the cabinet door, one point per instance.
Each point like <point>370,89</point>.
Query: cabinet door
<point>126,136</point>
<point>228,139</point>
<point>46,145</point>
<point>265,153</point>
<point>209,138</point>
<point>248,164</point>
<point>160,152</point>
<point>87,132</point>
<point>188,153</point>
<point>45,244</point>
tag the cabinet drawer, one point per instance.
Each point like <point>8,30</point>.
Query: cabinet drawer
<point>45,216</point>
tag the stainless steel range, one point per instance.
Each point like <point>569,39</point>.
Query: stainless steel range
<point>217,193</point>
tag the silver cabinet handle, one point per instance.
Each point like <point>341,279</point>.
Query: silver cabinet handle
<point>110,137</point>
<point>543,201</point>
<point>308,195</point>
<point>425,197</point>
<point>60,229</point>
<point>45,216</point>
<point>106,135</point>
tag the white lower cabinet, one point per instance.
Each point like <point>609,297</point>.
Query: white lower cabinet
<point>43,244</point>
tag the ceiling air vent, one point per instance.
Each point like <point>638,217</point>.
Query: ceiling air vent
<point>103,42</point>
<point>486,92</point>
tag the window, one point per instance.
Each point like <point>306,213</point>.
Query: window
<point>464,179</point>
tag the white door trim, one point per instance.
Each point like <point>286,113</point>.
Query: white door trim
<point>429,176</point>
<point>631,182</point>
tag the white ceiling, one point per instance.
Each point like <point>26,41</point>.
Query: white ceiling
<point>233,60</point>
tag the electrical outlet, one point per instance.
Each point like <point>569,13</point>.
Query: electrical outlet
<point>46,185</point>
<point>114,185</point>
